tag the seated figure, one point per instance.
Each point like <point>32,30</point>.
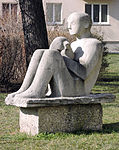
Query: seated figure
<point>70,71</point>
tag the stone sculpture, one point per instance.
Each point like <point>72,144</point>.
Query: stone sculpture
<point>70,71</point>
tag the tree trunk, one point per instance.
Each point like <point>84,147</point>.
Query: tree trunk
<point>34,26</point>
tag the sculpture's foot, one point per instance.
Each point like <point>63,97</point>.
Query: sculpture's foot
<point>10,97</point>
<point>29,94</point>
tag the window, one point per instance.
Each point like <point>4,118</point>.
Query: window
<point>53,13</point>
<point>98,13</point>
<point>9,11</point>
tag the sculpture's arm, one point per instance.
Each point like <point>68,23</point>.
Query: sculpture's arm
<point>78,69</point>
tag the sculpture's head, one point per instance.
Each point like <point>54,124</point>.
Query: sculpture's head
<point>79,24</point>
<point>59,43</point>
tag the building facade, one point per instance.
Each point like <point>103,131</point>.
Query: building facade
<point>104,14</point>
<point>9,8</point>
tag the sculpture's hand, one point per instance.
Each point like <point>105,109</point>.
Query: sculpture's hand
<point>67,50</point>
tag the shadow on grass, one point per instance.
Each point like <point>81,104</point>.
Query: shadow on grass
<point>107,129</point>
<point>108,84</point>
<point>109,77</point>
<point>110,128</point>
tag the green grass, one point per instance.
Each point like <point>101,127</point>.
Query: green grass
<point>108,139</point>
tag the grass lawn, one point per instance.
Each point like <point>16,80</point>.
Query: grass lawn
<point>108,139</point>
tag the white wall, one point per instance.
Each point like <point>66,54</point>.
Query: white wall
<point>68,6</point>
<point>110,32</point>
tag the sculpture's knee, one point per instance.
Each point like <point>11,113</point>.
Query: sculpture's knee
<point>54,60</point>
<point>54,54</point>
<point>38,53</point>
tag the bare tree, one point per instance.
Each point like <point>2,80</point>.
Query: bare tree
<point>34,26</point>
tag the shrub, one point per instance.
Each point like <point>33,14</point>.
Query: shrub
<point>56,31</point>
<point>12,53</point>
<point>105,63</point>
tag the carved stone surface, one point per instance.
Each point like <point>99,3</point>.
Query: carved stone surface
<point>70,69</point>
<point>58,101</point>
<point>67,118</point>
<point>68,114</point>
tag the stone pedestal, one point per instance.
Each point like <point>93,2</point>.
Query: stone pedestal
<point>63,114</point>
<point>68,118</point>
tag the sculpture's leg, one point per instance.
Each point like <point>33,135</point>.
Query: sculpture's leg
<point>30,72</point>
<point>51,65</point>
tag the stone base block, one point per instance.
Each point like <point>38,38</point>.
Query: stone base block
<point>60,114</point>
<point>65,118</point>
